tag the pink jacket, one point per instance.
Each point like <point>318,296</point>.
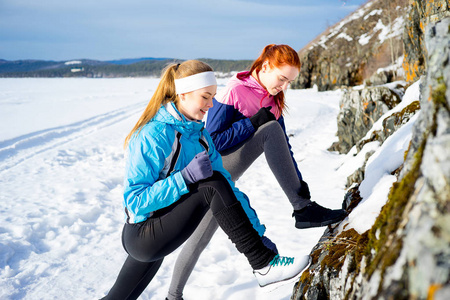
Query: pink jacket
<point>247,96</point>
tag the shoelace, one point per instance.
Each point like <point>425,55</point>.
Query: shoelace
<point>282,261</point>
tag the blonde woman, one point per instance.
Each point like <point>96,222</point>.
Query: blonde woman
<point>174,176</point>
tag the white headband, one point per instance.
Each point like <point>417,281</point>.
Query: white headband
<point>195,82</point>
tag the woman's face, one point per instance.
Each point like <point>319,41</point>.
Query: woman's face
<point>195,104</point>
<point>276,79</point>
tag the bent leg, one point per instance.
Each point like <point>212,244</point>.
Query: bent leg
<point>232,219</point>
<point>269,139</point>
<point>148,242</point>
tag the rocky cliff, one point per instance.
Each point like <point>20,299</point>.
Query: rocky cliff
<point>366,47</point>
<point>405,253</point>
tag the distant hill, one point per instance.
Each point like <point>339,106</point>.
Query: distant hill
<point>127,61</point>
<point>130,67</point>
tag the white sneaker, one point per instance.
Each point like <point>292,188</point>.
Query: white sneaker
<point>281,268</point>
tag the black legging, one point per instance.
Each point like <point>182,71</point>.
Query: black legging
<point>148,242</point>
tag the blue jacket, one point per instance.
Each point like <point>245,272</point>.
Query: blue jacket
<point>153,177</point>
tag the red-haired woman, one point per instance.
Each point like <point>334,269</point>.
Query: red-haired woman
<point>245,121</point>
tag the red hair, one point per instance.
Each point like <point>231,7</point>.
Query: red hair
<point>277,56</point>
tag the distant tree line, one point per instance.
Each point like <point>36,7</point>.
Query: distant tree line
<point>99,69</point>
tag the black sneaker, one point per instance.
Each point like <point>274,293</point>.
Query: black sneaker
<point>314,215</point>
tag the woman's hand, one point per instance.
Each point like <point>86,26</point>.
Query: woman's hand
<point>263,116</point>
<point>199,168</point>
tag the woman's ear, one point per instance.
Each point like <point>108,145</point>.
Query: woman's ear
<point>181,97</point>
<point>265,66</point>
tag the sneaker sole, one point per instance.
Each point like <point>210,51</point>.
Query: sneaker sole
<point>270,287</point>
<point>304,225</point>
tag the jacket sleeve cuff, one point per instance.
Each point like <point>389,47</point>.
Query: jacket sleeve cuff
<point>181,183</point>
<point>249,126</point>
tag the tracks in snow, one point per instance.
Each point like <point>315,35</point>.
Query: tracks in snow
<point>22,148</point>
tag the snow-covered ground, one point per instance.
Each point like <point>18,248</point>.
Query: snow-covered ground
<point>61,169</point>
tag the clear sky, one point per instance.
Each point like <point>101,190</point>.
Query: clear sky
<point>114,29</point>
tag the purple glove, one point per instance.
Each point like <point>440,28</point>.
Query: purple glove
<point>199,168</point>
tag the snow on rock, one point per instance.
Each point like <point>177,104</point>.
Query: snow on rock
<point>375,187</point>
<point>378,180</point>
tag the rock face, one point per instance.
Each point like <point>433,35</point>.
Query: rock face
<point>360,109</point>
<point>390,125</point>
<point>373,36</point>
<point>420,14</point>
<point>406,254</point>
<point>426,244</point>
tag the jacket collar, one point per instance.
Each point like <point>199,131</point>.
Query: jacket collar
<point>169,114</point>
<point>248,80</point>
<point>173,111</point>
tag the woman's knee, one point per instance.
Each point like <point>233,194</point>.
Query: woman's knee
<point>271,133</point>
<point>271,126</point>
<point>217,182</point>
<point>217,186</point>
<point>216,177</point>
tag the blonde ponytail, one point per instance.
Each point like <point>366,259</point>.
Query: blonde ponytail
<point>165,92</point>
